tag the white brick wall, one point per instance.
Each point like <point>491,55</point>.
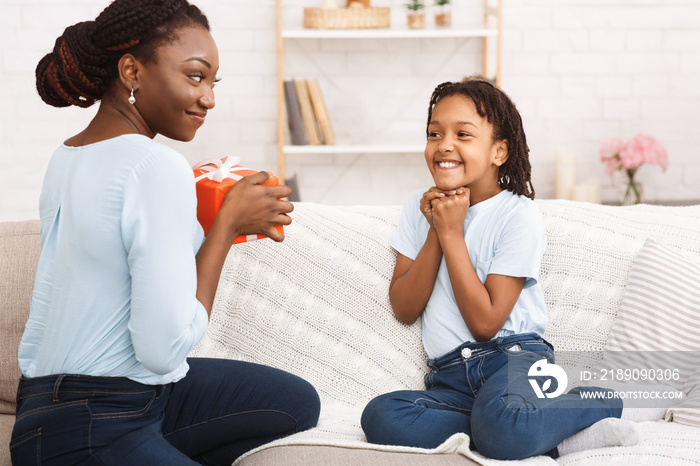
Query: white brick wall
<point>580,71</point>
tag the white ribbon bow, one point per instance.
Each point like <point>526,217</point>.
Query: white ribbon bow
<point>218,169</point>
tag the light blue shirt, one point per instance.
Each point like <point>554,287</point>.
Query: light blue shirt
<point>115,286</point>
<point>505,236</point>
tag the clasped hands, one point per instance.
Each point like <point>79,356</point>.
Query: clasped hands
<point>445,210</point>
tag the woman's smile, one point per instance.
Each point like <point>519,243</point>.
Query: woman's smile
<point>198,117</point>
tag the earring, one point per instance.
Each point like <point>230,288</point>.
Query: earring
<point>132,99</point>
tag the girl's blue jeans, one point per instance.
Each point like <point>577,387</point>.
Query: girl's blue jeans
<point>484,390</point>
<point>220,410</point>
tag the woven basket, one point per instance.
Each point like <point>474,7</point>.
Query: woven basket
<point>346,18</point>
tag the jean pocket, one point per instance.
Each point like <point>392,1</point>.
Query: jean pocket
<point>514,349</point>
<point>25,449</point>
<point>538,346</point>
<point>121,405</point>
<point>60,431</point>
<point>528,346</point>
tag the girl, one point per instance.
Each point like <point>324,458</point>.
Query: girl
<point>469,254</point>
<point>126,281</point>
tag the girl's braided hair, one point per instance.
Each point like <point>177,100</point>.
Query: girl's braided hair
<point>83,64</point>
<point>492,103</point>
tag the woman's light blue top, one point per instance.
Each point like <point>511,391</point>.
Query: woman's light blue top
<point>504,235</point>
<point>115,286</point>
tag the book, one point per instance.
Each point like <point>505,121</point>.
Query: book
<point>296,126</point>
<point>291,181</point>
<point>319,106</point>
<point>307,112</point>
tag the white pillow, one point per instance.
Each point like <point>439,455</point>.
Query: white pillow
<point>656,336</point>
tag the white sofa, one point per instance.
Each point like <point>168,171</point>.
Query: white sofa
<point>316,305</point>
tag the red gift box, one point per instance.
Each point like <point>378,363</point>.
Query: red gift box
<point>213,178</point>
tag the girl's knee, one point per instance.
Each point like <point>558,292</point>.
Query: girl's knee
<point>379,419</point>
<point>373,419</point>
<point>487,430</point>
<point>502,432</point>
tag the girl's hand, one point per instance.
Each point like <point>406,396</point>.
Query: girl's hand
<point>249,208</point>
<point>425,203</point>
<point>431,194</point>
<point>449,212</point>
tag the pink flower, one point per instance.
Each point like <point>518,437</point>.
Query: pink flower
<point>612,165</point>
<point>610,148</point>
<point>632,154</point>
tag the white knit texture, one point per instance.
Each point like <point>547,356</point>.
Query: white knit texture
<point>317,304</point>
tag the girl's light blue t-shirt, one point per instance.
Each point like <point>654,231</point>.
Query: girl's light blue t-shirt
<point>504,235</point>
<point>116,282</point>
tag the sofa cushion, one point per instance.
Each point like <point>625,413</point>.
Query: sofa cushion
<point>6,423</point>
<point>660,310</point>
<point>317,304</point>
<point>658,326</point>
<point>19,253</point>
<point>590,251</point>
<point>308,455</point>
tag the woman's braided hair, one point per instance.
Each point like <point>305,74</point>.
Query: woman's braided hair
<point>83,64</point>
<point>493,104</point>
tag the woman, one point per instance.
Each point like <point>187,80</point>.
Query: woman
<point>126,281</point>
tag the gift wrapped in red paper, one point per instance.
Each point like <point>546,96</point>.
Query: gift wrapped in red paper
<point>214,177</point>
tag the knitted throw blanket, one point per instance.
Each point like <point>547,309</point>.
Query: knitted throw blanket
<point>317,305</point>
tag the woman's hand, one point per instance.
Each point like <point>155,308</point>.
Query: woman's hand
<point>249,208</point>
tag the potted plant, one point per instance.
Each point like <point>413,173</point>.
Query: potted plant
<point>416,16</point>
<point>443,17</point>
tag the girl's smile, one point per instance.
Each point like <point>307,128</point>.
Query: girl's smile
<point>447,164</point>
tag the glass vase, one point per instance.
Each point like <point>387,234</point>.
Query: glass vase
<point>632,193</point>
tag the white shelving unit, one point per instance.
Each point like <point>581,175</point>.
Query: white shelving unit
<point>354,149</point>
<point>491,13</point>
<point>392,33</point>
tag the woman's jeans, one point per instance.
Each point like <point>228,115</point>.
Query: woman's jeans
<point>484,390</point>
<point>220,410</point>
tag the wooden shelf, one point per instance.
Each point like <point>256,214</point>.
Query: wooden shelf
<point>356,149</point>
<point>492,29</point>
<point>389,33</point>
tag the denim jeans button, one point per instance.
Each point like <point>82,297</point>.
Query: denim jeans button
<point>466,353</point>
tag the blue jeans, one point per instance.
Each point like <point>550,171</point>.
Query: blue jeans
<point>482,389</point>
<point>220,410</point>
